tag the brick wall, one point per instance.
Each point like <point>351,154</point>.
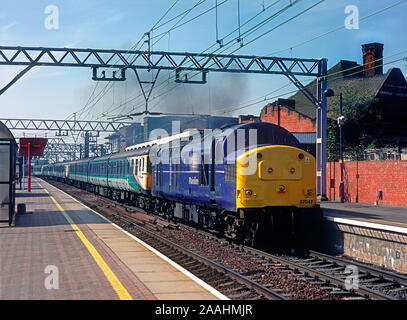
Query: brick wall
<point>289,118</point>
<point>388,176</point>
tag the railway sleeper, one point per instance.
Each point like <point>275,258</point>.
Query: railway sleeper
<point>240,295</point>
<point>224,283</point>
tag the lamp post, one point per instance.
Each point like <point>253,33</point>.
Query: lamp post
<point>331,93</point>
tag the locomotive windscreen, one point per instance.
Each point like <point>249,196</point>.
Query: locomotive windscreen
<point>265,134</point>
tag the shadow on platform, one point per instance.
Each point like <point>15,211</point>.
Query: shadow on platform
<point>31,195</point>
<point>49,218</point>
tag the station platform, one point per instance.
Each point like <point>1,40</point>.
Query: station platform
<point>387,216</point>
<point>60,249</point>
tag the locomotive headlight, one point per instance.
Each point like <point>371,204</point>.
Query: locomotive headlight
<point>281,188</point>
<point>310,192</point>
<point>292,170</point>
<point>248,192</point>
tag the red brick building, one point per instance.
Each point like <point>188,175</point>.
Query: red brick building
<point>282,112</point>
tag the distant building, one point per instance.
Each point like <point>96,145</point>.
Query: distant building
<point>199,122</point>
<point>126,136</point>
<point>248,118</point>
<point>138,133</point>
<point>385,154</point>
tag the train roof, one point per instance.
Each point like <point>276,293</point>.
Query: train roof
<point>268,133</point>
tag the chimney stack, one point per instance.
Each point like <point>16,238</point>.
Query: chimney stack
<point>371,53</point>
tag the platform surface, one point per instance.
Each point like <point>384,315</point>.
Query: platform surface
<point>64,250</point>
<point>386,215</point>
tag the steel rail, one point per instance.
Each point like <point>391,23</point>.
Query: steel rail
<point>386,275</point>
<point>362,290</point>
<point>208,262</point>
<point>204,260</point>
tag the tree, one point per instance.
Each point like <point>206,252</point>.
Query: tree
<point>361,113</point>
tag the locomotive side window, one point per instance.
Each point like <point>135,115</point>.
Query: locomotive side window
<point>204,174</point>
<point>230,172</point>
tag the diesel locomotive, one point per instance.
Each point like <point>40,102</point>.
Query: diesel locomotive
<point>250,182</point>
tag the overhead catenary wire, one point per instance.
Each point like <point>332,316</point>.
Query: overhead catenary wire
<point>321,35</point>
<point>132,48</point>
<point>333,30</point>
<point>195,17</point>
<point>251,30</point>
<point>265,97</point>
<point>166,80</point>
<point>162,35</point>
<point>169,30</point>
<point>231,41</point>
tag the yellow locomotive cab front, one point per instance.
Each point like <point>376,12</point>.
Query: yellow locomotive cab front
<point>275,176</point>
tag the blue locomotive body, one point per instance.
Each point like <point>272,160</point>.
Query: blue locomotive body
<point>209,179</point>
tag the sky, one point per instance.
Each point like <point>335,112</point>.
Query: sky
<point>59,92</point>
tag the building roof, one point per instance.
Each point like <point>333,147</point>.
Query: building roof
<point>343,74</point>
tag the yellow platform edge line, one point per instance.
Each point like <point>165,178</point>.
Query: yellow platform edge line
<point>111,277</point>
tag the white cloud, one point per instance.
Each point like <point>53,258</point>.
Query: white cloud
<point>70,45</point>
<point>116,17</point>
<point>8,26</point>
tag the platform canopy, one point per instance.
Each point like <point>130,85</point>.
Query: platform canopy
<point>5,133</point>
<point>37,146</point>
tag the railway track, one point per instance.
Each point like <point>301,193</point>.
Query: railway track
<point>326,272</point>
<point>332,272</point>
<point>230,283</point>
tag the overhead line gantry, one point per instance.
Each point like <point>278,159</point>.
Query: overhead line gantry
<point>121,60</point>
